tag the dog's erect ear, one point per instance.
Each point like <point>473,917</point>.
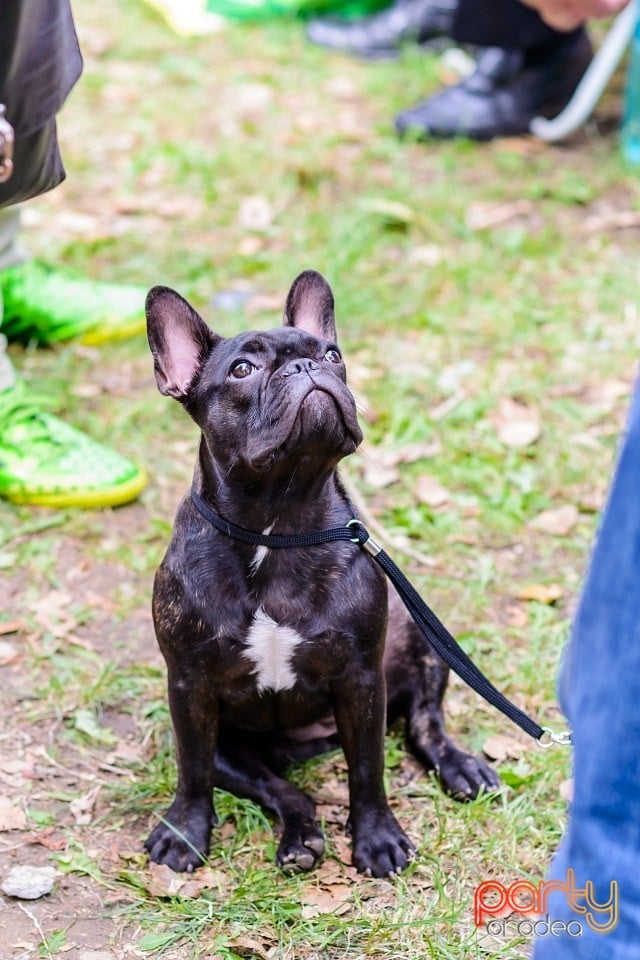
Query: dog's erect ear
<point>309,306</point>
<point>179,339</point>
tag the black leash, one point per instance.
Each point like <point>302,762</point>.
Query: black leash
<point>431,627</point>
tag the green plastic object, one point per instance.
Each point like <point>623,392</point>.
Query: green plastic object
<point>268,9</point>
<point>198,18</point>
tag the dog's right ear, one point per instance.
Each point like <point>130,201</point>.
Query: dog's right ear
<point>179,339</point>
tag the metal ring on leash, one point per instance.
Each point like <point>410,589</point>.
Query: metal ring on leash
<point>369,544</point>
<point>551,739</point>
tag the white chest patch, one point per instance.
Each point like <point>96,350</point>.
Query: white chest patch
<point>271,646</point>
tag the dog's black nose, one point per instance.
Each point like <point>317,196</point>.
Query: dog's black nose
<point>303,365</point>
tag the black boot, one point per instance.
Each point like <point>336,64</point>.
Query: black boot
<point>381,35</point>
<point>503,94</point>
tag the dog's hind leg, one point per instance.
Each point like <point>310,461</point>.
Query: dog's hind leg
<point>241,769</point>
<point>416,683</point>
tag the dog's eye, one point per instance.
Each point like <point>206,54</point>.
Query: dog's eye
<point>333,356</point>
<point>241,369</point>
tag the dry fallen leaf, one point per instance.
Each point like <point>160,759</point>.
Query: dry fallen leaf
<point>484,216</point>
<point>246,947</point>
<point>431,492</point>
<point>386,459</point>
<point>515,615</point>
<point>591,501</point>
<point>541,592</point>
<point>334,813</point>
<point>378,476</point>
<point>380,469</point>
<point>614,220</point>
<point>520,434</point>
<point>453,378</point>
<point>52,615</point>
<point>606,394</point>
<point>349,124</point>
<point>127,750</point>
<point>249,100</point>
<point>8,653</point>
<point>342,844</point>
<point>12,817</point>
<point>442,410</point>
<point>516,424</point>
<point>161,881</point>
<point>206,878</point>
<point>48,839</point>
<point>332,872</point>
<point>19,767</point>
<point>502,747</point>
<point>342,87</point>
<point>255,213</point>
<point>426,255</point>
<point>331,899</point>
<point>412,452</point>
<point>559,521</point>
<point>82,807</point>
<point>250,245</point>
<point>86,390</point>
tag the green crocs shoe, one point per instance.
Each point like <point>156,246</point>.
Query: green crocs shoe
<point>46,305</point>
<point>47,463</point>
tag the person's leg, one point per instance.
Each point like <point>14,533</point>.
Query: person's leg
<point>502,23</point>
<point>600,692</point>
<point>7,373</point>
<point>524,68</point>
<point>44,461</point>
<point>10,254</point>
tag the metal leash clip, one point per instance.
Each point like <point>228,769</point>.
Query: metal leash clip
<point>6,146</point>
<point>551,739</point>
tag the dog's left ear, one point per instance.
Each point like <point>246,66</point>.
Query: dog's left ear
<point>310,306</point>
<point>179,339</point>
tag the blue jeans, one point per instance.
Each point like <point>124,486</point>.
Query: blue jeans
<point>600,694</point>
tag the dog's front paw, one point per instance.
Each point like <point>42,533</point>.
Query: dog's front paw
<point>464,776</point>
<point>301,847</point>
<point>181,839</point>
<point>381,848</point>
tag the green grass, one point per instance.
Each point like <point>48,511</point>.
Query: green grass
<point>464,275</point>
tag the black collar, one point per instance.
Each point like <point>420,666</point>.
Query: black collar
<point>354,531</point>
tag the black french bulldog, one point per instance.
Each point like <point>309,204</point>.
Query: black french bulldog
<point>278,655</point>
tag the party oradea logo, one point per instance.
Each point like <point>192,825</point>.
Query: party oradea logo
<point>522,908</point>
